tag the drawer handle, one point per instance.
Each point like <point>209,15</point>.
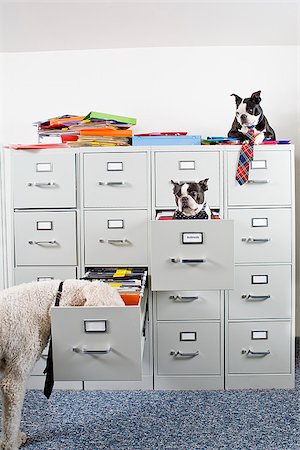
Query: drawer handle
<point>112,183</point>
<point>43,242</point>
<point>40,184</point>
<point>251,240</point>
<point>255,297</point>
<point>258,181</point>
<point>180,354</point>
<point>91,352</point>
<point>179,298</point>
<point>123,241</point>
<point>252,353</point>
<point>187,261</point>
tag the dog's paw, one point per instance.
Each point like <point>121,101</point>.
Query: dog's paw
<point>259,138</point>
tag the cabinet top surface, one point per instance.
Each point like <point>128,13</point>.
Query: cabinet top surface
<point>153,149</point>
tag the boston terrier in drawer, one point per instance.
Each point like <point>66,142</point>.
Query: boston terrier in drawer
<point>249,116</point>
<point>190,200</point>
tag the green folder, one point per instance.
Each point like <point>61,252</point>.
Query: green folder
<point>104,116</point>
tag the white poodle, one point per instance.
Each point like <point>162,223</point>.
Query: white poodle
<point>24,333</point>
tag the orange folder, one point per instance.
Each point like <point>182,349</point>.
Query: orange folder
<point>105,132</point>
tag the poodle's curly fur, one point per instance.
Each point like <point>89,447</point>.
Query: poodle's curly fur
<point>24,333</point>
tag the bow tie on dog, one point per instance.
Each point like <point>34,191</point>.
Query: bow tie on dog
<point>190,201</point>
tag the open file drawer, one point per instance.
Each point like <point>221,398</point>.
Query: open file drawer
<point>99,343</point>
<point>191,255</point>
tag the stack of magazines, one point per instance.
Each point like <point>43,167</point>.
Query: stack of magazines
<point>95,129</point>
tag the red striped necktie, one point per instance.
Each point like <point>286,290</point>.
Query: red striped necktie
<point>246,155</point>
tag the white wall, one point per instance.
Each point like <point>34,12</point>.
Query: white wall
<point>165,88</point>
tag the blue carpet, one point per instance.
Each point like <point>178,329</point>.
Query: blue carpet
<point>177,420</point>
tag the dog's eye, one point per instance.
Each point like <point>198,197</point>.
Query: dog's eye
<point>250,111</point>
<point>193,194</point>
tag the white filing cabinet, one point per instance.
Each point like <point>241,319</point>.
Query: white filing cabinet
<point>220,314</point>
<point>260,310</point>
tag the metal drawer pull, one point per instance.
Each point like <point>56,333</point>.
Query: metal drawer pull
<point>112,183</point>
<point>251,353</point>
<point>251,240</point>
<point>179,298</point>
<point>256,297</point>
<point>187,261</point>
<point>258,181</point>
<point>45,184</point>
<point>180,354</point>
<point>91,352</point>
<point>43,242</point>
<point>123,241</point>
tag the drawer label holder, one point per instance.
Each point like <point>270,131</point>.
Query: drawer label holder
<point>95,326</point>
<point>192,238</point>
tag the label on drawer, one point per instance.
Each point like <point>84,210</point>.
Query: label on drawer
<point>259,222</point>
<point>43,167</point>
<point>186,165</point>
<point>95,326</point>
<point>258,164</point>
<point>42,225</point>
<point>114,166</point>
<point>115,223</point>
<point>192,238</point>
<point>188,336</point>
<point>259,279</point>
<point>259,335</point>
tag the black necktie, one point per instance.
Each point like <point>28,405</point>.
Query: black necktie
<point>49,382</point>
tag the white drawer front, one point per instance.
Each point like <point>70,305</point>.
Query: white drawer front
<point>262,235</point>
<point>188,305</point>
<point>188,348</point>
<point>43,180</point>
<point>269,179</point>
<point>116,237</point>
<point>112,354</point>
<point>261,292</point>
<point>259,347</point>
<point>186,166</point>
<point>191,266</point>
<point>115,180</point>
<point>45,238</point>
<point>28,274</point>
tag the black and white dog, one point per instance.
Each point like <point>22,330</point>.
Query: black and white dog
<point>190,200</point>
<point>249,115</point>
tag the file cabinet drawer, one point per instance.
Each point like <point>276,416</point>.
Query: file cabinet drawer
<point>45,238</point>
<point>259,347</point>
<point>114,352</point>
<point>186,166</point>
<point>191,255</point>
<point>188,348</point>
<point>188,305</point>
<point>28,274</point>
<point>262,235</point>
<point>43,180</point>
<point>261,292</point>
<point>118,180</point>
<point>116,237</point>
<point>269,179</point>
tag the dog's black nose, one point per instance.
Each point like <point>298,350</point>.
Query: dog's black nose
<point>243,117</point>
<point>184,199</point>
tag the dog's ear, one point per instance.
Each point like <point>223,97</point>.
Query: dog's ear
<point>237,99</point>
<point>256,97</point>
<point>176,186</point>
<point>203,184</point>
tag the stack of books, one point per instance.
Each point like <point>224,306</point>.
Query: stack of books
<point>94,129</point>
<point>130,283</point>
